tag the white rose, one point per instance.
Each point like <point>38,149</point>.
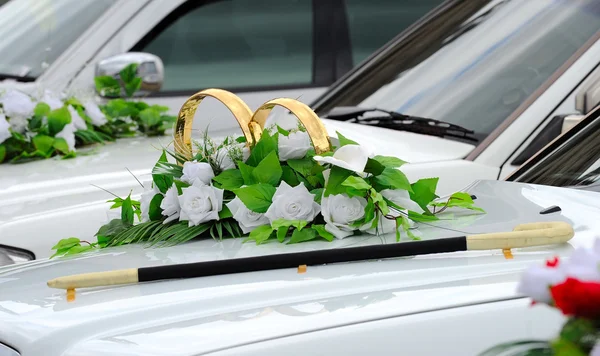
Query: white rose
<point>536,281</point>
<point>246,218</point>
<point>4,129</point>
<point>93,111</point>
<point>295,203</point>
<point>384,226</point>
<point>340,211</point>
<point>19,124</point>
<point>294,146</point>
<point>77,121</point>
<point>52,101</point>
<point>201,171</point>
<point>200,203</point>
<point>401,198</point>
<point>170,205</point>
<point>68,133</point>
<point>145,200</point>
<point>351,157</point>
<point>583,265</point>
<point>17,104</point>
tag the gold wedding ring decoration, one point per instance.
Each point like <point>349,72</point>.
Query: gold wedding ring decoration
<point>252,124</point>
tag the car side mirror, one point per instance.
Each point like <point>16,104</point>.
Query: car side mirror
<point>150,69</point>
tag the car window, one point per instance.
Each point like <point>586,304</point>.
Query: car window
<point>35,33</point>
<point>482,70</point>
<point>236,44</point>
<point>373,23</point>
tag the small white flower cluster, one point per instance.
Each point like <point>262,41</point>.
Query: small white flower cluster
<point>584,265</point>
<point>18,109</point>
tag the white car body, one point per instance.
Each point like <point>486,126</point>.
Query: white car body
<point>457,303</point>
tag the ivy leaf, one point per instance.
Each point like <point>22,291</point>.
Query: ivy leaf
<point>289,176</point>
<point>344,140</point>
<point>265,145</point>
<point>318,193</point>
<point>41,109</point>
<point>389,162</point>
<point>154,211</point>
<point>58,119</point>
<point>114,227</point>
<point>391,178</point>
<point>163,181</point>
<point>127,211</point>
<point>79,249</point>
<point>246,172</point>
<point>260,234</point>
<point>268,170</point>
<point>149,117</point>
<point>336,177</point>
<point>61,145</point>
<point>241,139</point>
<point>298,224</point>
<point>133,86</point>
<point>424,192</point>
<point>374,167</point>
<point>302,166</point>
<point>282,131</point>
<point>303,235</point>
<point>369,214</point>
<point>129,73</point>
<point>320,229</point>
<point>461,200</point>
<point>66,243</point>
<point>356,183</point>
<point>281,233</point>
<point>43,143</point>
<point>421,217</point>
<point>225,213</point>
<point>257,197</point>
<point>106,85</point>
<point>230,179</point>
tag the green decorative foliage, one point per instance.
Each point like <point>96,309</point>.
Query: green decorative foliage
<point>107,86</point>
<point>261,234</point>
<point>356,183</point>
<point>162,181</point>
<point>262,149</point>
<point>423,192</point>
<point>57,119</point>
<point>289,176</point>
<point>2,153</point>
<point>154,211</point>
<point>336,177</point>
<point>345,141</point>
<point>320,229</point>
<point>303,235</point>
<point>459,200</point>
<point>256,197</point>
<point>127,211</point>
<point>268,170</point>
<point>389,162</point>
<point>392,178</point>
<point>230,179</point>
<point>247,173</point>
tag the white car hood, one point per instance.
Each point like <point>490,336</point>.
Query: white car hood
<point>45,193</point>
<point>196,316</point>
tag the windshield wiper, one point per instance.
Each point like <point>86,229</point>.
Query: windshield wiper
<point>18,78</point>
<point>397,121</point>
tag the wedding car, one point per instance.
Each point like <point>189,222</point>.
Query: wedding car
<point>347,296</point>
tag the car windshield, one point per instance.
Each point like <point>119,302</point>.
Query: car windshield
<point>575,163</point>
<point>482,70</point>
<point>34,33</point>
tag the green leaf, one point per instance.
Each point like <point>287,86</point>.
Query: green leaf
<point>369,214</point>
<point>421,217</point>
<point>460,200</point>
<point>107,85</point>
<point>58,119</point>
<point>260,234</point>
<point>302,166</point>
<point>336,177</point>
<point>320,229</point>
<point>114,227</point>
<point>318,193</point>
<point>225,213</point>
<point>166,168</point>
<point>257,197</point>
<point>246,172</point>
<point>374,167</point>
<point>79,249</point>
<point>389,162</point>
<point>127,210</point>
<point>303,235</point>
<point>230,179</point>
<point>356,183</point>
<point>150,117</point>
<point>241,139</point>
<point>289,176</point>
<point>392,178</point>
<point>43,143</point>
<point>2,153</point>
<point>282,131</point>
<point>61,145</point>
<point>41,109</point>
<point>268,170</point>
<point>282,232</point>
<point>265,145</point>
<point>298,224</point>
<point>67,243</point>
<point>162,181</point>
<point>133,86</point>
<point>424,192</point>
<point>406,228</point>
<point>129,73</point>
<point>344,140</point>
<point>154,211</point>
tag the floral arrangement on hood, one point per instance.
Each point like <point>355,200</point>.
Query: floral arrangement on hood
<point>49,124</point>
<point>573,287</point>
<point>277,189</point>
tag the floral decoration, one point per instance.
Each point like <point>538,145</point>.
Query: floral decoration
<point>277,189</point>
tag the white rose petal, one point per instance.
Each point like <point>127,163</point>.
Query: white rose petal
<point>200,203</point>
<point>536,281</point>
<point>170,205</point>
<point>295,203</point>
<point>246,218</point>
<point>340,211</point>
<point>52,101</point>
<point>197,171</point>
<point>384,226</point>
<point>93,111</point>
<point>19,124</point>
<point>4,129</point>
<point>583,265</point>
<point>596,350</point>
<point>294,146</point>
<point>350,157</point>
<point>245,153</point>
<point>145,200</point>
<point>17,104</point>
<point>401,198</point>
<point>77,121</point>
<point>68,134</point>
